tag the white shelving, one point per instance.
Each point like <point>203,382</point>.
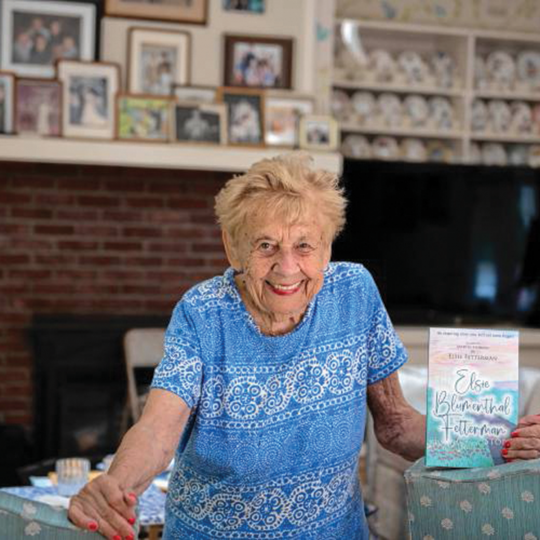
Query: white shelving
<point>463,45</point>
<point>146,155</point>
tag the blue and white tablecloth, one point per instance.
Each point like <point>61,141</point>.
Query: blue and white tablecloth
<point>151,502</point>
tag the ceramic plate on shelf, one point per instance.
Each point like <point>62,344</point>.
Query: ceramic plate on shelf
<point>501,69</point>
<point>536,119</point>
<point>414,68</point>
<point>417,109</point>
<point>522,118</point>
<point>528,68</point>
<point>341,105</point>
<point>499,115</point>
<point>494,154</point>
<point>534,155</point>
<point>382,65</point>
<point>443,66</point>
<point>389,109</point>
<point>439,152</point>
<point>363,104</point>
<point>356,146</point>
<point>385,148</point>
<point>441,112</point>
<point>413,150</point>
<point>518,154</point>
<point>479,115</point>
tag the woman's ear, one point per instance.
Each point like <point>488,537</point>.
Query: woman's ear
<point>232,256</point>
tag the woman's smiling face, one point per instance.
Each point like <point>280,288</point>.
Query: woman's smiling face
<point>282,265</point>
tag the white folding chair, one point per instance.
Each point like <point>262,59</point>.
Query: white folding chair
<point>143,348</point>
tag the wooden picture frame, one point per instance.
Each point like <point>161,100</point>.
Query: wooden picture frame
<point>178,11</point>
<point>7,102</point>
<point>258,62</point>
<point>36,34</point>
<point>157,60</point>
<point>282,115</point>
<point>38,107</point>
<point>245,115</point>
<point>194,94</point>
<point>143,118</point>
<point>319,132</point>
<point>89,98</point>
<point>200,123</point>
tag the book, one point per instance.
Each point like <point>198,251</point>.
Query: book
<point>472,396</point>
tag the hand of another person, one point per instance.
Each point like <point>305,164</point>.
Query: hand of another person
<point>103,506</point>
<point>525,441</point>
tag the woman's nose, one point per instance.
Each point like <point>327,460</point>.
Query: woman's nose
<point>286,263</point>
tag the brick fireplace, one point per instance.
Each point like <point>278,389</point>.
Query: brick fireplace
<point>88,240</point>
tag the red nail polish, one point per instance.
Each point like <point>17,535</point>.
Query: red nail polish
<point>514,434</point>
<point>507,444</point>
<point>92,526</point>
<point>117,537</point>
<point>504,452</point>
<point>129,537</point>
<point>132,520</point>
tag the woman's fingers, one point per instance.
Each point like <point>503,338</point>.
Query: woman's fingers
<point>102,502</point>
<point>530,420</point>
<point>525,441</point>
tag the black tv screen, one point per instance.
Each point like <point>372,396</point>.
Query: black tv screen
<point>446,244</point>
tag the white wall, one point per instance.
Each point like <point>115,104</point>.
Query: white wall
<point>283,18</point>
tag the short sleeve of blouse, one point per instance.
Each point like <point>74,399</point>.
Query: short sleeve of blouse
<point>386,353</point>
<point>180,369</point>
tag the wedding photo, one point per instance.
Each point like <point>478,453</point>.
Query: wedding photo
<point>200,123</point>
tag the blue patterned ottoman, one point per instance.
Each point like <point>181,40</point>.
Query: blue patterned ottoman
<point>500,502</point>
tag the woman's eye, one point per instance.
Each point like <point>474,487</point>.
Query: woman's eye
<point>304,246</point>
<point>265,246</point>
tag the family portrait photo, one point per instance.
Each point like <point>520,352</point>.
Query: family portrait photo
<point>38,107</point>
<point>186,11</point>
<point>318,132</point>
<point>37,34</point>
<point>7,84</point>
<point>144,118</point>
<point>245,116</point>
<point>158,60</point>
<point>258,62</point>
<point>200,123</point>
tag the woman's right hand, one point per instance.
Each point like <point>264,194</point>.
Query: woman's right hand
<point>103,506</point>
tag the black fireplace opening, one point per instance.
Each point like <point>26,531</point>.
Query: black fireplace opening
<point>80,383</point>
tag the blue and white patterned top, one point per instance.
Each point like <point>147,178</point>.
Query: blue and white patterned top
<point>271,448</point>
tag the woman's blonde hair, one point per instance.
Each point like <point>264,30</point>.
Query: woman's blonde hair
<point>283,187</point>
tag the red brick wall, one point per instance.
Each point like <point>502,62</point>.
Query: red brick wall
<point>87,240</point>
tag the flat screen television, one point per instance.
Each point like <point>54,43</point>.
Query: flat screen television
<point>446,244</point>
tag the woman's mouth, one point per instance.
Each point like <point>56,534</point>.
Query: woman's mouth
<point>284,290</point>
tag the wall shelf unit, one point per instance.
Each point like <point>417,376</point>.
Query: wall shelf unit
<point>146,155</point>
<point>357,71</point>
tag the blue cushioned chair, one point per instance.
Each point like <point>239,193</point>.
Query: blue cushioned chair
<point>477,504</point>
<point>23,519</point>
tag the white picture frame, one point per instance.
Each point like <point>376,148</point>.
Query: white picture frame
<point>26,60</point>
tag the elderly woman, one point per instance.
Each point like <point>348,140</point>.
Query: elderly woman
<point>261,395</point>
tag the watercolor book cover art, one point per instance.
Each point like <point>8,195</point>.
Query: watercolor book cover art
<point>472,396</point>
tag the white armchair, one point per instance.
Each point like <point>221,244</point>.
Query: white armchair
<point>384,471</point>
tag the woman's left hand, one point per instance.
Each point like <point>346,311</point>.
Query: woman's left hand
<point>525,440</point>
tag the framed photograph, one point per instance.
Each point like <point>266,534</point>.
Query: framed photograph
<point>318,132</point>
<point>282,115</point>
<point>244,6</point>
<point>245,115</point>
<point>184,11</point>
<point>195,94</point>
<point>36,34</point>
<point>89,91</point>
<point>7,101</point>
<point>144,118</point>
<point>200,123</point>
<point>258,62</point>
<point>38,107</point>
<point>157,60</point>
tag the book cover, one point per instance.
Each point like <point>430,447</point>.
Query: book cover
<point>472,396</point>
